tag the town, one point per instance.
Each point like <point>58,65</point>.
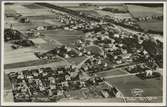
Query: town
<point>82,52</point>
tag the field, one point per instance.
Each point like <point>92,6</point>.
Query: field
<point>9,11</point>
<point>142,11</point>
<point>155,26</point>
<point>97,12</point>
<point>29,63</point>
<point>94,11</point>
<point>35,22</point>
<point>151,87</point>
<point>111,73</point>
<point>19,55</point>
<point>63,36</point>
<point>32,6</point>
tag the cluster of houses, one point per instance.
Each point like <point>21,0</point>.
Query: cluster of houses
<point>149,18</point>
<point>52,83</point>
<point>62,51</point>
<point>117,47</point>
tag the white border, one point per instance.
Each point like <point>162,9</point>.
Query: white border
<point>83,104</point>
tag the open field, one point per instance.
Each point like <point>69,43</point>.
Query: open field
<point>151,87</point>
<point>142,11</point>
<point>94,11</point>
<point>63,36</point>
<point>19,55</point>
<point>32,6</point>
<point>111,73</point>
<point>7,47</point>
<point>29,63</point>
<point>155,26</point>
<point>27,11</point>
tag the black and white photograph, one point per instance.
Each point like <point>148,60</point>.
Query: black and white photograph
<point>83,53</point>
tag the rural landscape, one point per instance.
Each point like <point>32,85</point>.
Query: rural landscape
<point>83,52</point>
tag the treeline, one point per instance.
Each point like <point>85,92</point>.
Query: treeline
<point>155,49</point>
<point>137,28</point>
<point>155,32</point>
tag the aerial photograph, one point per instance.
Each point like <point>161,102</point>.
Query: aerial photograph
<point>82,52</point>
